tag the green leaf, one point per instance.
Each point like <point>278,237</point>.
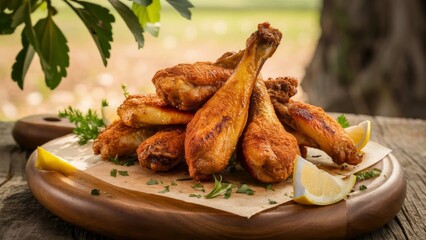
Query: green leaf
<point>152,182</point>
<point>23,62</point>
<point>165,190</point>
<point>54,51</point>
<point>95,192</point>
<point>367,174</point>
<point>131,21</point>
<point>143,2</point>
<point>113,172</point>
<point>245,189</point>
<point>98,21</point>
<point>220,188</point>
<point>6,23</point>
<point>123,173</point>
<point>182,6</point>
<point>149,16</point>
<point>195,195</point>
<point>343,121</point>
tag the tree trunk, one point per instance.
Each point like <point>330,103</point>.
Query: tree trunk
<point>370,58</point>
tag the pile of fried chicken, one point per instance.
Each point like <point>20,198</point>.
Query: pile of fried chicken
<point>203,113</point>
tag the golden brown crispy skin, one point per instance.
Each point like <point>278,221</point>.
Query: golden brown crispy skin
<point>120,140</point>
<point>189,86</point>
<point>325,132</point>
<point>268,149</point>
<point>163,150</point>
<point>212,135</point>
<point>147,110</point>
<point>281,89</point>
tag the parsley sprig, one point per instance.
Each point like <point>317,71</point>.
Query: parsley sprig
<point>343,121</point>
<point>87,126</point>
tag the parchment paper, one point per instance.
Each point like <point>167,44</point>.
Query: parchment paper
<point>180,188</point>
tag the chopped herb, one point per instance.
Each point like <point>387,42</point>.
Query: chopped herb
<point>245,189</point>
<point>195,195</point>
<point>114,160</point>
<point>198,186</point>
<point>364,175</point>
<point>228,193</point>
<point>269,187</point>
<point>87,126</point>
<point>113,173</point>
<point>316,156</point>
<point>123,173</point>
<point>166,189</point>
<point>272,201</point>
<point>95,192</point>
<point>152,182</point>
<point>125,92</point>
<point>362,187</point>
<point>184,179</point>
<point>128,162</point>
<point>343,121</point>
<point>174,183</point>
<point>219,188</point>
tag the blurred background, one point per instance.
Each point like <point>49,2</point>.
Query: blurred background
<point>334,50</point>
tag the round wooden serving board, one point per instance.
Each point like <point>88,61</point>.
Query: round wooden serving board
<point>129,214</point>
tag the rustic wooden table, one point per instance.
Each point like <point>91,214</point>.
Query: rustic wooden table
<point>22,217</point>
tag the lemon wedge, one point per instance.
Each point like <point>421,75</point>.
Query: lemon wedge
<point>109,115</point>
<point>50,162</point>
<point>313,186</point>
<point>360,134</point>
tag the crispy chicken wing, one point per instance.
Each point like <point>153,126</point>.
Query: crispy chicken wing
<point>268,149</point>
<point>163,150</point>
<point>324,131</point>
<point>120,140</point>
<point>213,133</point>
<point>147,110</point>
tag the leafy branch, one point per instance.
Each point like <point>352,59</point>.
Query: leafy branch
<point>46,39</point>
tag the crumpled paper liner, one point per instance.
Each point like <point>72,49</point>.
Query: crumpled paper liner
<point>180,188</point>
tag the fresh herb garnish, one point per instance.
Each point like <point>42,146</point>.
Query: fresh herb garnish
<point>173,183</point>
<point>114,160</point>
<point>195,195</point>
<point>104,103</point>
<point>362,187</point>
<point>113,173</point>
<point>117,161</point>
<point>364,175</point>
<point>245,189</point>
<point>123,173</point>
<point>125,92</point>
<point>95,192</point>
<point>198,186</point>
<point>184,179</point>
<point>87,126</point>
<point>343,121</point>
<point>166,189</point>
<point>272,201</point>
<point>219,188</point>
<point>269,187</point>
<point>152,182</point>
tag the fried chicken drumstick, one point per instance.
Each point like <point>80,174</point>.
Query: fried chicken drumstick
<point>268,150</point>
<point>163,150</point>
<point>147,110</point>
<point>326,134</point>
<point>213,133</point>
<point>118,139</point>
